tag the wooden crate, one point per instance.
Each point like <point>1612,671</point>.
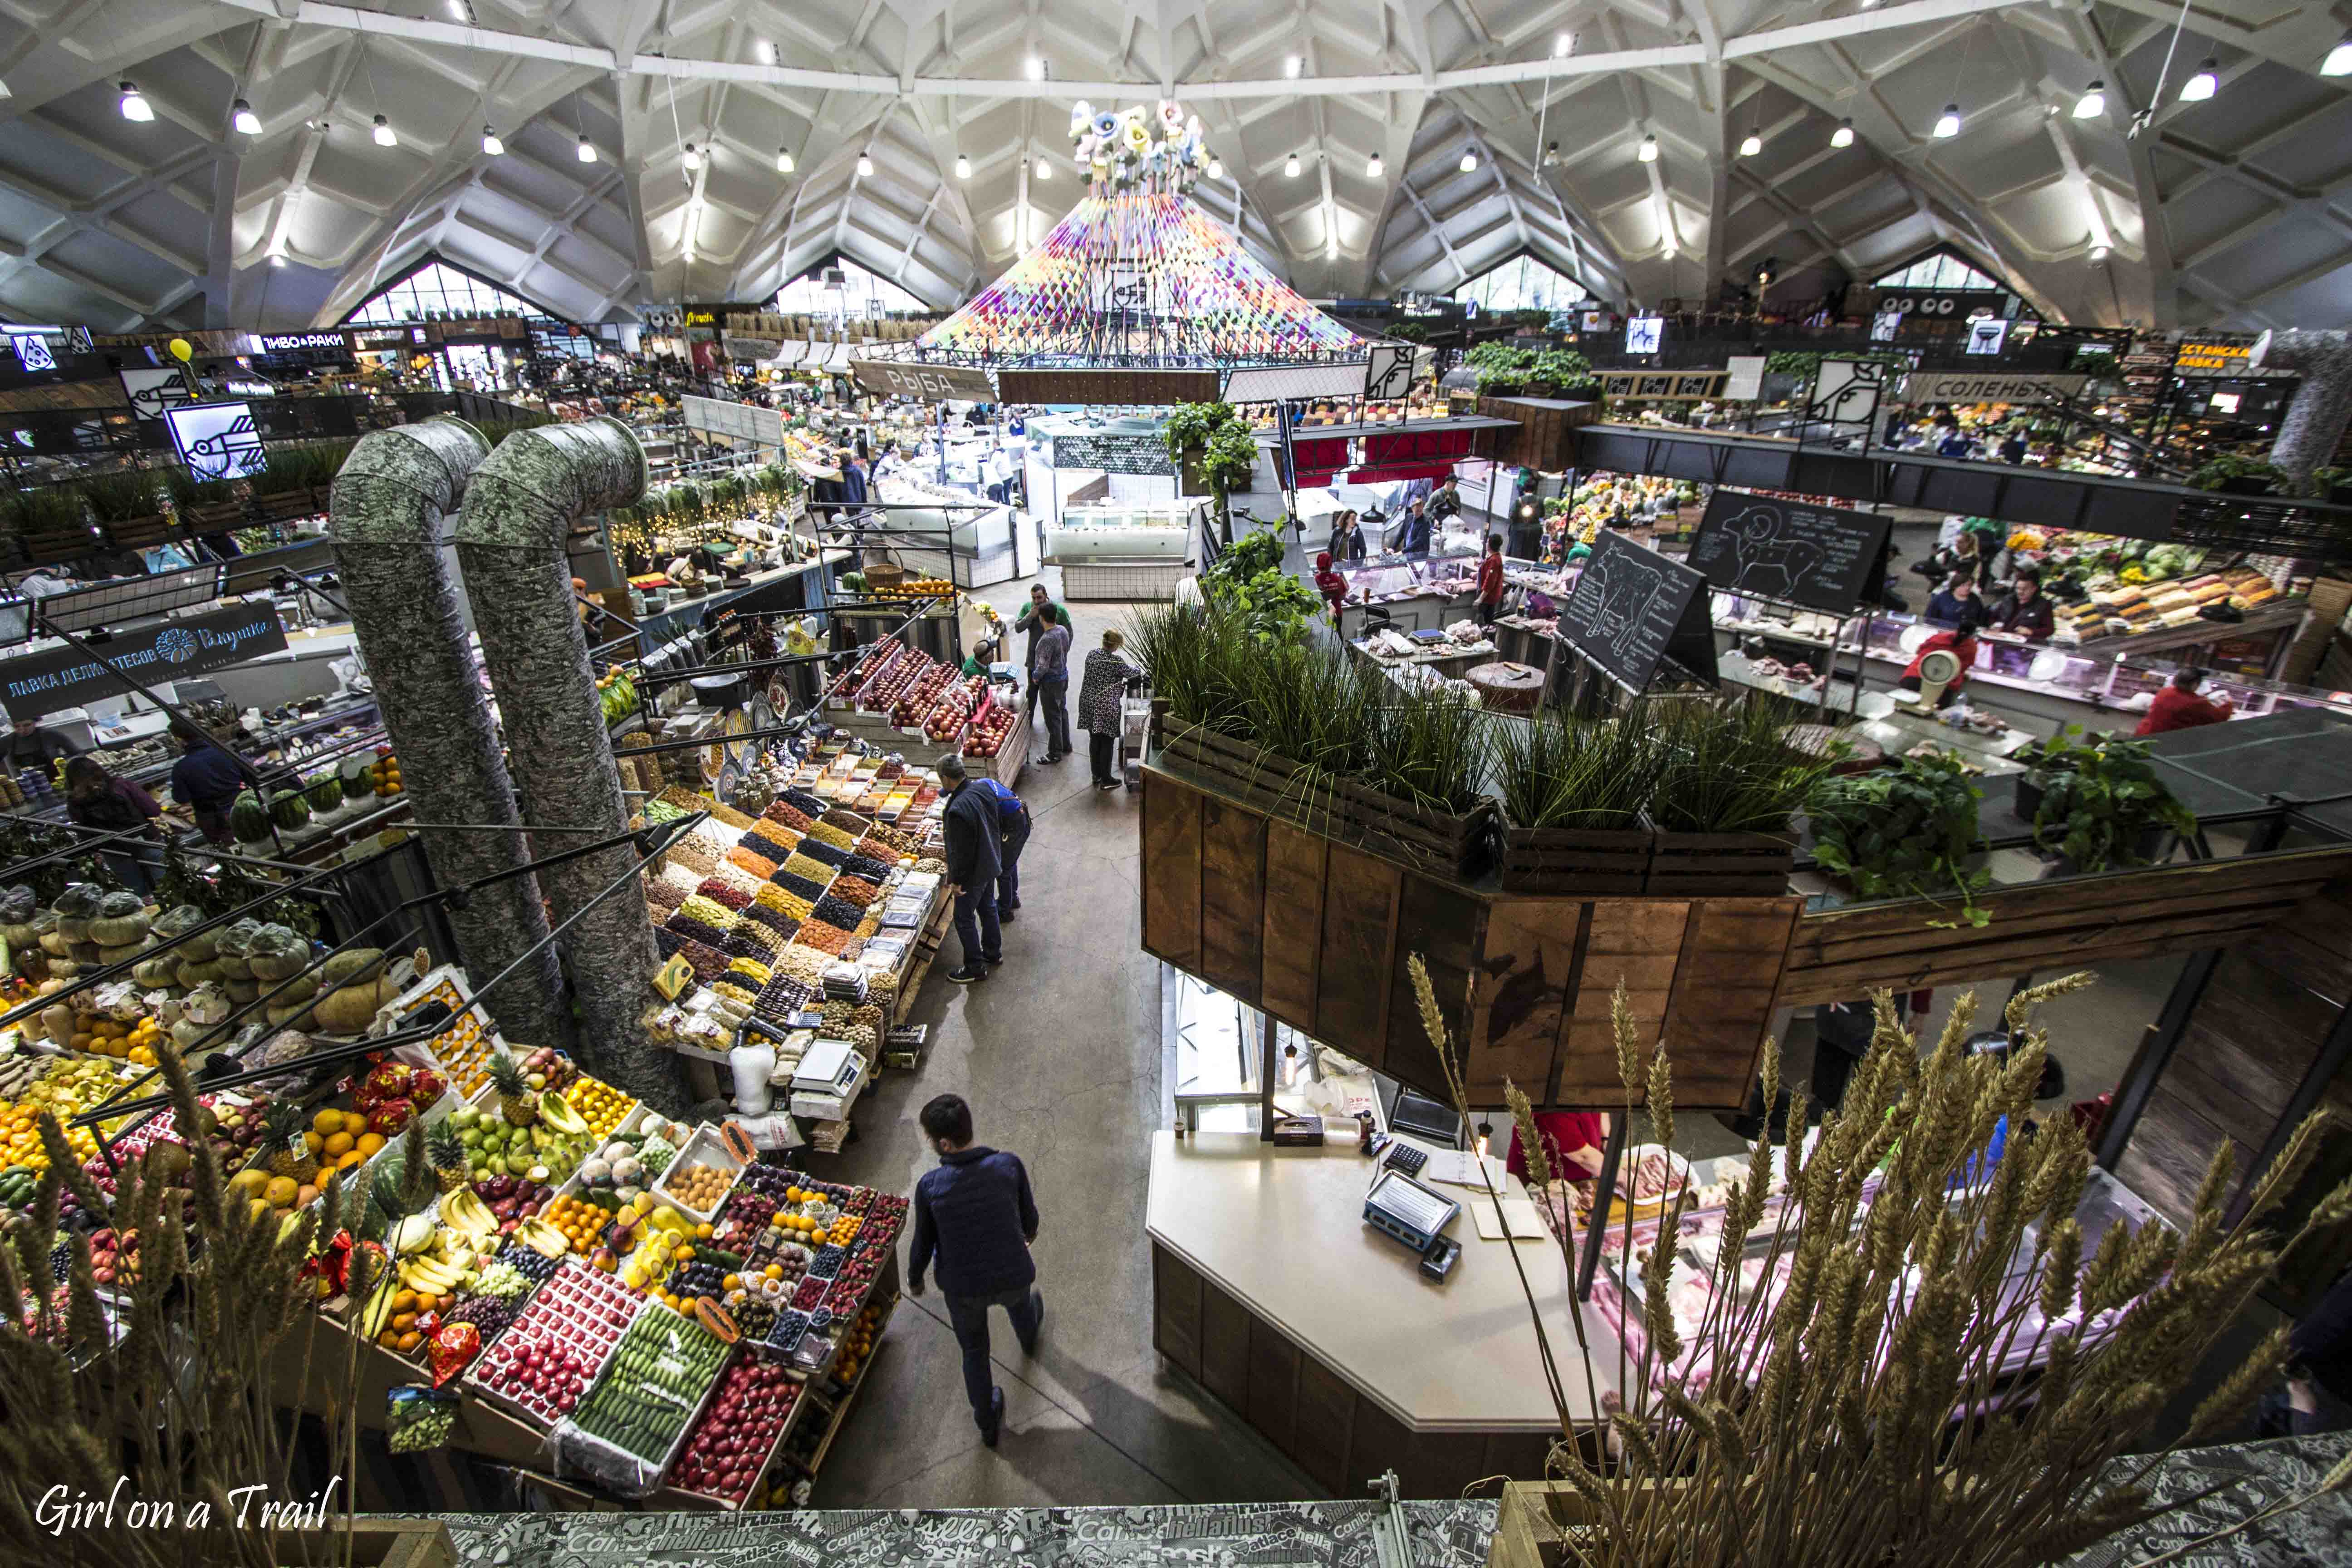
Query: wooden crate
<point>1566,861</point>
<point>138,532</point>
<point>1720,865</point>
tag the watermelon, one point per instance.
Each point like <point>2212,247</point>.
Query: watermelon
<point>358,778</point>
<point>323,791</point>
<point>288,809</point>
<point>249,820</point>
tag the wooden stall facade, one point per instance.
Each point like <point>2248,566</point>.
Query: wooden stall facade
<point>1319,935</point>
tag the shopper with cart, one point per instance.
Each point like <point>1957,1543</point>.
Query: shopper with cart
<point>1106,674</point>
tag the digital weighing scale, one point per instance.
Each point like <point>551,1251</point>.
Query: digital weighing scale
<point>1399,1207</point>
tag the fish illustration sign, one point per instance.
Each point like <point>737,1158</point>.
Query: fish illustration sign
<point>59,677</point>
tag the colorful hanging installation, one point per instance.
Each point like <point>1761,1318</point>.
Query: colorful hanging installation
<point>1138,275</point>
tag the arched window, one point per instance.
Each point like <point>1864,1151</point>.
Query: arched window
<point>436,287</point>
<point>858,296</point>
<point>1941,270</point>
<point>1524,284</point>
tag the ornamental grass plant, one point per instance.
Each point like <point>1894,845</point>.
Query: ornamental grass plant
<point>171,1391</point>
<point>1591,775</point>
<point>1857,1400</point>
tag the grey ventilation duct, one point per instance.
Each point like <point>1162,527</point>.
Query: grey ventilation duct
<point>518,513</point>
<point>389,501</point>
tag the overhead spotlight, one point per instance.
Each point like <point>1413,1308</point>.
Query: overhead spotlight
<point>2202,86</point>
<point>1751,146</point>
<point>1374,168</point>
<point>866,165</point>
<point>1949,123</point>
<point>1290,167</point>
<point>783,160</point>
<point>491,146</point>
<point>587,148</point>
<point>383,136</point>
<point>1216,168</point>
<point>1551,155</point>
<point>963,167</point>
<point>1649,153</point>
<point>1469,160</point>
<point>134,104</point>
<point>1293,66</point>
<point>1045,170</point>
<point>242,117</point>
<point>1843,135</point>
<point>690,158</point>
<point>1037,67</point>
<point>2337,63</point>
<point>2094,102</point>
<point>2099,253</point>
<point>766,51</point>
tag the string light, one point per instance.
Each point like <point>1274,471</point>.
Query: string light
<point>244,119</point>
<point>491,146</point>
<point>1843,135</point>
<point>134,104</point>
<point>2202,86</point>
<point>383,136</point>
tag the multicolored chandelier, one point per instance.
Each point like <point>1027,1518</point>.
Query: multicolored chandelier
<point>1138,275</point>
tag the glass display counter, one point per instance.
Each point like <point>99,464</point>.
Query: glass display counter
<point>1146,531</point>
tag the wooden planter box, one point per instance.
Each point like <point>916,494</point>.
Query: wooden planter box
<point>138,532</point>
<point>1571,862</point>
<point>284,506</point>
<point>63,544</point>
<point>214,517</point>
<point>1341,808</point>
<point>1720,865</point>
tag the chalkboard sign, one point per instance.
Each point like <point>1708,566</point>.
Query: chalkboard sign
<point>1633,607</point>
<point>1769,547</point>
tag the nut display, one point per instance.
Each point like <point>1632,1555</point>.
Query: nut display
<point>698,1187</point>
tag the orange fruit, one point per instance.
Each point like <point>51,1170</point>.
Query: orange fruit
<point>348,1159</point>
<point>354,1122</point>
<point>327,1122</point>
<point>337,1145</point>
<point>367,1144</point>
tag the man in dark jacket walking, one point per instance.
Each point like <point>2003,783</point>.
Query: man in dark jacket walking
<point>975,837</point>
<point>976,1216</point>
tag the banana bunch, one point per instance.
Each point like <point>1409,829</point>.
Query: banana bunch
<point>542,1238</point>
<point>469,1219</point>
<point>445,1274</point>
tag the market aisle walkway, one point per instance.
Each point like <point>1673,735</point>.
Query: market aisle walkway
<point>1059,1053</point>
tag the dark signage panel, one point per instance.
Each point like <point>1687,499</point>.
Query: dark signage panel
<point>1628,611</point>
<point>1769,547</point>
<point>170,650</point>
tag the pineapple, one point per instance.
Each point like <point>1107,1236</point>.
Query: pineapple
<point>447,1153</point>
<point>517,1102</point>
<point>289,1151</point>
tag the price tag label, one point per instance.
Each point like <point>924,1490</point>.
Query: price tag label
<point>674,977</point>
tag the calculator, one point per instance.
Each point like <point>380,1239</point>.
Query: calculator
<point>1404,1156</point>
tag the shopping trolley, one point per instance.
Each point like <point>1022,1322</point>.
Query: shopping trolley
<point>1134,729</point>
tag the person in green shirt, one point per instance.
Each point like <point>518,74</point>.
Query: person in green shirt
<point>1028,621</point>
<point>983,655</point>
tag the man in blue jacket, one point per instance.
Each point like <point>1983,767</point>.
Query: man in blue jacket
<point>975,1216</point>
<point>975,834</point>
<point>1012,817</point>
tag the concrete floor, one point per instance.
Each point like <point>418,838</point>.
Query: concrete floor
<point>1061,1057</point>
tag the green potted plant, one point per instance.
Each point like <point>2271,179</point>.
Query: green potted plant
<point>2097,803</point>
<point>1572,792</point>
<point>1725,792</point>
<point>2233,473</point>
<point>1905,831</point>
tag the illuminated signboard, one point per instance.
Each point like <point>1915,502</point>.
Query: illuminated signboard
<point>291,342</point>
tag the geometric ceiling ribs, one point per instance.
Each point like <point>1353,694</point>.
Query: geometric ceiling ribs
<point>2233,211</point>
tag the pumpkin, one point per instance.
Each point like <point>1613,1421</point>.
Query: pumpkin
<point>18,908</point>
<point>349,1009</point>
<point>231,941</point>
<point>159,970</point>
<point>192,976</point>
<point>54,944</point>
<point>122,920</point>
<point>276,952</point>
<point>242,991</point>
<point>351,963</point>
<point>77,907</point>
<point>173,922</point>
<point>282,1014</point>
<point>249,820</point>
<point>299,989</point>
<point>107,957</point>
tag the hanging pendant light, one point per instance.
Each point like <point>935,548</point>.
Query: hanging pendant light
<point>1753,145</point>
<point>2337,63</point>
<point>784,161</point>
<point>1949,123</point>
<point>963,167</point>
<point>491,146</point>
<point>242,117</point>
<point>277,258</point>
<point>2094,102</point>
<point>766,51</point>
<point>2098,253</point>
<point>1374,168</point>
<point>1290,167</point>
<point>1216,168</point>
<point>1843,135</point>
<point>383,136</point>
<point>134,104</point>
<point>690,158</point>
<point>587,148</point>
<point>1649,152</point>
<point>1045,170</point>
<point>866,165</point>
<point>2202,86</point>
<point>1469,163</point>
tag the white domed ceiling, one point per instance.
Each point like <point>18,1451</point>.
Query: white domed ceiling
<point>1434,138</point>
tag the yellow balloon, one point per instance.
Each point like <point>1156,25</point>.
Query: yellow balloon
<point>182,350</point>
